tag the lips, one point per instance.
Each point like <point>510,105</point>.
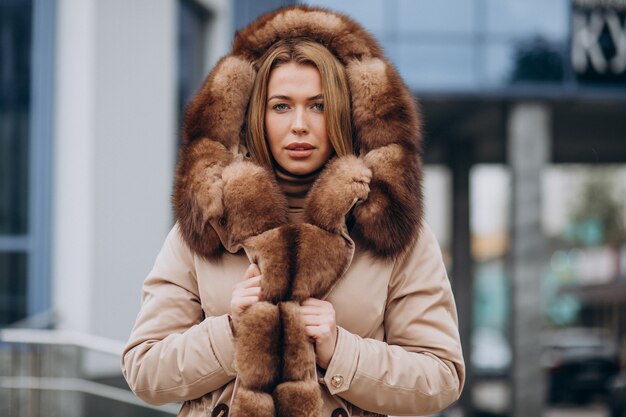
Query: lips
<point>301,146</point>
<point>299,150</point>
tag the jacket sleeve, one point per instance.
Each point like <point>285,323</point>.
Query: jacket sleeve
<point>419,368</point>
<point>175,353</point>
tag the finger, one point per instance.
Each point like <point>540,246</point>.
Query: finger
<point>253,270</point>
<point>313,302</point>
<point>311,311</point>
<point>317,321</point>
<point>318,308</point>
<point>310,322</point>
<point>321,316</point>
<point>310,331</point>
<point>251,282</point>
<point>317,332</point>
<point>241,303</point>
<point>246,292</point>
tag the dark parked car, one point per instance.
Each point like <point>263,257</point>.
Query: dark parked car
<point>581,364</point>
<point>617,395</point>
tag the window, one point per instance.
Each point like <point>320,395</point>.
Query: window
<point>193,21</point>
<point>26,48</point>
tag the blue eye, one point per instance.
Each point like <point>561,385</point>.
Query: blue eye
<point>280,107</point>
<point>319,106</point>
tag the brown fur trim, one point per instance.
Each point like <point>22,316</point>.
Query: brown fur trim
<point>383,110</point>
<point>258,352</point>
<point>198,194</point>
<point>389,221</point>
<point>298,355</point>
<point>219,108</point>
<point>343,181</point>
<point>248,403</point>
<point>339,33</point>
<point>322,257</point>
<point>253,202</point>
<point>272,251</point>
<point>301,399</point>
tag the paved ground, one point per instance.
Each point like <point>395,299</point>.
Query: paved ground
<point>594,410</point>
<point>494,398</point>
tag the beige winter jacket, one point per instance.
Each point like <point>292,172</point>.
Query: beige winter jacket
<point>398,350</point>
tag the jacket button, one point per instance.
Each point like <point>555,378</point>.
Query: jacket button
<point>336,381</point>
<point>221,410</point>
<point>339,412</point>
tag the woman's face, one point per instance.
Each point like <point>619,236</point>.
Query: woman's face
<point>294,119</point>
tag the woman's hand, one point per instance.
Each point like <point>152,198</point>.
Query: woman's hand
<point>246,292</point>
<point>319,321</point>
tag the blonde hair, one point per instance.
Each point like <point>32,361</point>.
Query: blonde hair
<point>334,90</point>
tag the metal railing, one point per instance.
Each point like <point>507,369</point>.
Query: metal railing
<point>46,373</point>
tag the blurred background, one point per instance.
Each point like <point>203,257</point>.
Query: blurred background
<point>524,105</point>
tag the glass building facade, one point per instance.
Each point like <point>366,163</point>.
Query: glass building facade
<point>477,45</point>
<point>468,45</point>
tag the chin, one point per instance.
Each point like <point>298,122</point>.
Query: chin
<point>299,170</point>
<point>302,168</point>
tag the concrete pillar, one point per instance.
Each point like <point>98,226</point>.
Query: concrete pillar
<point>73,205</point>
<point>115,148</point>
<point>529,139</point>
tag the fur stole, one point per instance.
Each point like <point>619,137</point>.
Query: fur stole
<point>224,201</point>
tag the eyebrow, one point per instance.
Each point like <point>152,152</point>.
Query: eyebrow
<point>283,97</point>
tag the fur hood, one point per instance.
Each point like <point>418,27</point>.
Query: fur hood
<point>387,141</point>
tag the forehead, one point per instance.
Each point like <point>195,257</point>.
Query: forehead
<point>295,79</point>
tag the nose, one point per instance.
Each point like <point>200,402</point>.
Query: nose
<point>299,125</point>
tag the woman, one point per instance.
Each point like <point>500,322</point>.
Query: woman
<point>299,279</point>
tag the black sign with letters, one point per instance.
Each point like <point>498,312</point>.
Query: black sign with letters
<point>598,40</point>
